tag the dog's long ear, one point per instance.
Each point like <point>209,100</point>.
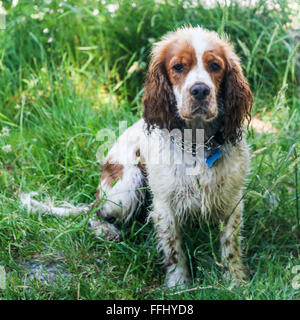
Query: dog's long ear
<point>158,99</point>
<point>237,99</point>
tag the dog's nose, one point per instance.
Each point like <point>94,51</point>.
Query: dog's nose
<point>200,91</point>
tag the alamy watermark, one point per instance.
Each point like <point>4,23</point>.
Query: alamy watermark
<point>2,20</point>
<point>296,279</point>
<point>2,278</point>
<point>171,142</point>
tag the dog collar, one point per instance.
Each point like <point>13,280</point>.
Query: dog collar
<point>213,157</point>
<point>192,148</point>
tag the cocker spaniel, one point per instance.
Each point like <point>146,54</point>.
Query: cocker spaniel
<point>188,149</point>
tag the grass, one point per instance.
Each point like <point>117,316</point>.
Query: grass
<point>66,71</point>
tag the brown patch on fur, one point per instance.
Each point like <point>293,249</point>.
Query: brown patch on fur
<point>158,218</point>
<point>234,94</point>
<point>216,55</point>
<point>227,243</point>
<point>180,53</point>
<point>171,242</point>
<point>158,99</point>
<point>111,172</point>
<point>236,98</point>
<point>141,164</point>
<point>97,194</point>
<point>172,258</point>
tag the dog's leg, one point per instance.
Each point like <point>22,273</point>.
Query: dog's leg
<point>117,199</point>
<point>231,245</point>
<point>169,242</point>
<point>120,192</point>
<point>119,196</point>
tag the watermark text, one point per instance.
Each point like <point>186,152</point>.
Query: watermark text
<point>2,278</point>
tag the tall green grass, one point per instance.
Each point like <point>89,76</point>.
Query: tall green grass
<point>67,71</point>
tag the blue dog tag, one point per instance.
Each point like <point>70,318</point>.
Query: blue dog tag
<point>213,157</point>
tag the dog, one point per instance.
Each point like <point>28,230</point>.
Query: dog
<point>194,84</point>
<point>194,81</point>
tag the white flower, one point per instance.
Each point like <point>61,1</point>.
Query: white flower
<point>39,15</point>
<point>50,40</point>
<point>7,148</point>
<point>18,107</point>
<point>95,12</point>
<point>5,132</point>
<point>14,3</point>
<point>112,7</point>
<point>46,30</point>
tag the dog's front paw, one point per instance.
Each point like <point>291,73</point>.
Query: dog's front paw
<point>178,277</point>
<point>235,279</point>
<point>105,230</point>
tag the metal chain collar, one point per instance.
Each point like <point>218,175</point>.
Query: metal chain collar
<point>191,147</point>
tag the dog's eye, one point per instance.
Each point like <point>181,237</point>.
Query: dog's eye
<point>214,67</point>
<point>178,67</point>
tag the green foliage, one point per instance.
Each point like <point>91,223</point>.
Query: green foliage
<point>70,68</point>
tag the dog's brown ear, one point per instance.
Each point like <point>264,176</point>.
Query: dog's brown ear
<point>237,100</point>
<point>158,99</point>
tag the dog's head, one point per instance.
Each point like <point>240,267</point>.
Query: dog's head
<point>195,75</point>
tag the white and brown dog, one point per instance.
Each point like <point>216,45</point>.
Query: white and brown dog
<point>194,81</point>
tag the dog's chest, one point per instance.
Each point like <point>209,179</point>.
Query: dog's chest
<point>189,188</point>
<point>194,191</point>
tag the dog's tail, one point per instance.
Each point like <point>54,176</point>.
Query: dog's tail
<point>100,227</point>
<point>65,209</point>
